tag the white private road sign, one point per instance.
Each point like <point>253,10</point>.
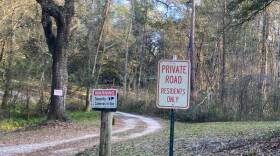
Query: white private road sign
<point>103,99</point>
<point>173,84</point>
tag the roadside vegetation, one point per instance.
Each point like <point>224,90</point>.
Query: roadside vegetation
<point>17,122</point>
<point>119,43</point>
<point>213,138</point>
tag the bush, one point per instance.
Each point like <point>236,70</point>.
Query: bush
<point>143,102</point>
<point>83,116</point>
<point>8,125</point>
<point>75,105</point>
<point>3,114</point>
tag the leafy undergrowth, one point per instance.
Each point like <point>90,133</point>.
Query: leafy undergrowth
<point>17,122</point>
<point>84,117</point>
<point>214,138</point>
<point>12,124</point>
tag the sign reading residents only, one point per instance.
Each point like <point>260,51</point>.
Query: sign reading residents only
<point>104,99</point>
<point>173,90</point>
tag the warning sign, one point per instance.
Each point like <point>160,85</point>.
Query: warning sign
<point>173,89</point>
<point>104,99</point>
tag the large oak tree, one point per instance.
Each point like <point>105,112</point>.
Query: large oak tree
<point>57,41</point>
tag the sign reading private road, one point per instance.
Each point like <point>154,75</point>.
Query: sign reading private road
<point>173,85</point>
<point>104,99</point>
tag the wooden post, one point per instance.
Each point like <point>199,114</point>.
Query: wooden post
<point>105,134</point>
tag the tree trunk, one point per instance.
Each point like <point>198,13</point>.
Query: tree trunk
<point>100,34</point>
<point>2,50</point>
<point>242,104</point>
<point>223,62</point>
<point>8,66</point>
<point>143,45</point>
<point>263,71</point>
<point>27,105</point>
<point>278,60</point>
<point>59,82</point>
<point>41,92</point>
<point>97,39</point>
<point>87,109</point>
<point>7,80</point>
<point>200,61</point>
<point>126,59</point>
<point>191,54</point>
<point>57,44</point>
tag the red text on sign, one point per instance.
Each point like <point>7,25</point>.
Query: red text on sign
<point>174,69</point>
<point>172,99</point>
<point>172,91</point>
<point>104,93</point>
<point>173,79</point>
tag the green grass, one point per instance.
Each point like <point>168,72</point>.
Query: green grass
<point>14,123</point>
<point>17,121</point>
<point>225,128</point>
<point>80,116</point>
<point>188,135</point>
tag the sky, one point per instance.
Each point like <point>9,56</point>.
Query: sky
<point>174,10</point>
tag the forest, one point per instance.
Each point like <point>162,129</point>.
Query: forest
<point>55,53</point>
<point>75,46</point>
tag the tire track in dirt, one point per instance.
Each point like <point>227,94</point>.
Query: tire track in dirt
<point>131,123</point>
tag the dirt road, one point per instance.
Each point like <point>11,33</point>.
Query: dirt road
<point>68,140</point>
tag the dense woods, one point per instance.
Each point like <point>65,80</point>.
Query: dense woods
<point>74,46</point>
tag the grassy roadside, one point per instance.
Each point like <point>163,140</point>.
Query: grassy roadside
<point>194,139</point>
<point>81,117</point>
<point>17,122</point>
<point>250,128</point>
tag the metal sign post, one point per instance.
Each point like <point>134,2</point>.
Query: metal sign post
<point>171,135</point>
<point>173,89</point>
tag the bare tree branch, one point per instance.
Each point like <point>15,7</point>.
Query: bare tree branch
<point>249,15</point>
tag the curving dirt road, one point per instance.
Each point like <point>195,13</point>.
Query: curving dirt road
<point>129,126</point>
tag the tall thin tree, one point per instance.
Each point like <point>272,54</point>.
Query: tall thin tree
<point>10,58</point>
<point>223,59</point>
<point>191,52</point>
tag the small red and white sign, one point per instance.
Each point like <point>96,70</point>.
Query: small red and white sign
<point>173,85</point>
<point>104,99</point>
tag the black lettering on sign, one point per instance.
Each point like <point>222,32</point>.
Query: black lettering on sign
<point>111,98</point>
